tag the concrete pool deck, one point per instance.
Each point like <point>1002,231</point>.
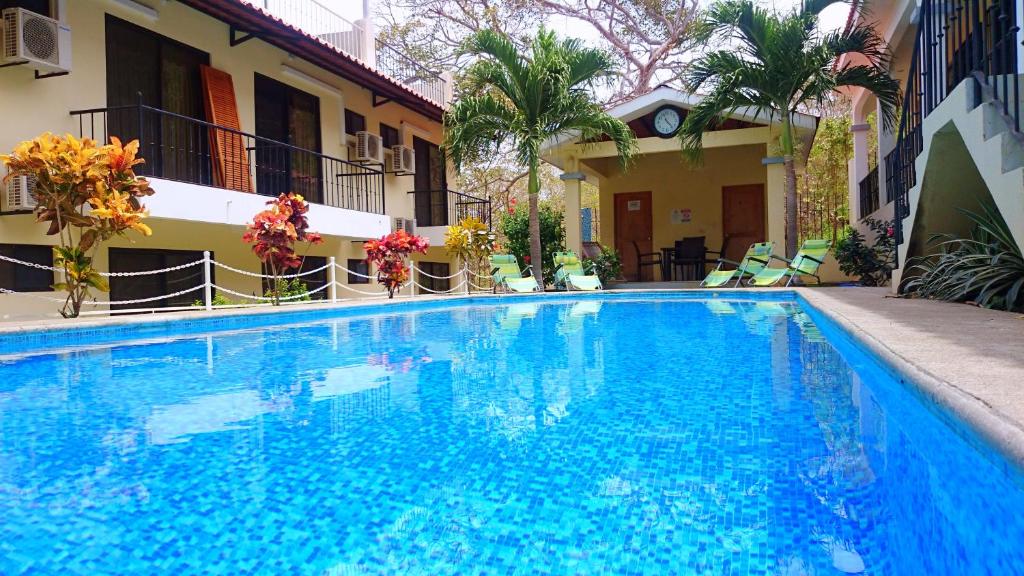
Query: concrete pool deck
<point>966,359</point>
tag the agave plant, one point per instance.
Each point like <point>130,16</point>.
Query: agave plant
<point>987,268</point>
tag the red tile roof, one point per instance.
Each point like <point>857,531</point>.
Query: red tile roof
<point>251,19</point>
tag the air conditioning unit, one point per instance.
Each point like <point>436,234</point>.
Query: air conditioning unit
<point>369,148</point>
<point>18,194</point>
<point>407,224</point>
<point>403,160</point>
<point>33,39</point>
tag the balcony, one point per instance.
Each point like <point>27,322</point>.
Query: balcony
<point>201,165</point>
<point>869,194</point>
<point>353,38</point>
<point>446,207</point>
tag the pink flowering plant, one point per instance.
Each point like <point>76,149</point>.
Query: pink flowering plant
<point>389,254</point>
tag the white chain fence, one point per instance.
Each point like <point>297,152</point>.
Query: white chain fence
<point>465,285</point>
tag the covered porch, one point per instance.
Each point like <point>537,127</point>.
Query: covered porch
<point>670,219</point>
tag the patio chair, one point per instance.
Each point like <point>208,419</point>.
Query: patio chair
<point>570,275</point>
<point>806,263</point>
<point>756,259</point>
<point>689,257</point>
<point>645,259</point>
<point>506,274</point>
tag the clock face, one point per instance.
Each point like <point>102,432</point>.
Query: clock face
<point>666,121</point>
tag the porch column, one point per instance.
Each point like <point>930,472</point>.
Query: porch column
<point>858,167</point>
<point>573,230</point>
<point>775,201</point>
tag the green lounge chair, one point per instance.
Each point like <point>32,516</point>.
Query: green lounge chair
<point>570,275</point>
<point>506,274</point>
<point>806,263</point>
<point>755,260</point>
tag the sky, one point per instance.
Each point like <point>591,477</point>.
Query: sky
<point>833,17</point>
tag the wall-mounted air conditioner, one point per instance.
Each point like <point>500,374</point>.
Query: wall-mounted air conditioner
<point>403,160</point>
<point>407,224</point>
<point>18,194</point>
<point>40,43</point>
<point>369,148</point>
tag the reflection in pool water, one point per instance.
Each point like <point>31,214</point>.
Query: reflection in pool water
<point>593,436</point>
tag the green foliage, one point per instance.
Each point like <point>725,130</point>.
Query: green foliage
<point>289,290</point>
<point>871,264</point>
<point>607,265</point>
<point>218,300</point>
<point>987,268</point>
<point>824,188</point>
<point>777,64</point>
<point>515,227</point>
<point>520,100</point>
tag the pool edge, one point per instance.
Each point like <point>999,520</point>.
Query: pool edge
<point>996,431</point>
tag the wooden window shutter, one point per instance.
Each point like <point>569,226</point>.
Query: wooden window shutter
<point>230,158</point>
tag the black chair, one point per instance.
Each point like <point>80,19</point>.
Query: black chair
<point>689,257</point>
<point>712,256</point>
<point>645,259</point>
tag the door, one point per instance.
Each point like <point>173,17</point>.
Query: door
<point>633,225</point>
<point>743,218</point>
<point>288,115</point>
<point>430,185</point>
<point>166,75</point>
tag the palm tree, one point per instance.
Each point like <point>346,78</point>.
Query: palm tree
<point>524,100</point>
<point>777,64</point>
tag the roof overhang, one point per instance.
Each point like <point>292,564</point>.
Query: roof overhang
<point>253,20</point>
<point>805,124</point>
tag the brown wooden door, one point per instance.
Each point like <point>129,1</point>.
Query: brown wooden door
<point>633,224</point>
<point>743,218</point>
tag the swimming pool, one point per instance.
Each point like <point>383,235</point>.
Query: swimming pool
<point>614,434</point>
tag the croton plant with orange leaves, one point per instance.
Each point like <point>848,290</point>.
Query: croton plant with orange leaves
<point>389,253</point>
<point>274,232</point>
<point>87,193</point>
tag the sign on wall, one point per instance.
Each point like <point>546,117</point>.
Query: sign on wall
<point>682,215</point>
<point>633,205</point>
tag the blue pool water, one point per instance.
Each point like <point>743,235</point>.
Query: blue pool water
<point>609,435</point>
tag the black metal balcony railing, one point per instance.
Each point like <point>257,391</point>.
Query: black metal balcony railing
<point>446,207</point>
<point>956,40</point>
<point>177,147</point>
<point>891,166</point>
<point>869,193</point>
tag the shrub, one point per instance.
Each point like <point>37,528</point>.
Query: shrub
<point>872,264</point>
<point>288,289</point>
<point>218,300</point>
<point>515,227</point>
<point>987,268</point>
<point>471,242</point>
<point>389,254</point>
<point>607,265</point>
<point>273,233</point>
<point>69,174</point>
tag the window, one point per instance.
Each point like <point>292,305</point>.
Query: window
<point>21,278</point>
<point>390,136</point>
<point>150,285</point>
<point>433,285</point>
<point>312,281</point>
<point>354,122</point>
<point>37,6</point>
<point>359,267</point>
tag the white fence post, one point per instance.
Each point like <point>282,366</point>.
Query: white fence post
<point>465,276</point>
<point>332,278</point>
<point>208,285</point>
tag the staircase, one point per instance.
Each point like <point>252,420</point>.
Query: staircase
<point>960,126</point>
